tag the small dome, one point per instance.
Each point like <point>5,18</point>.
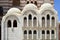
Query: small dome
<point>13,10</point>
<point>46,6</point>
<point>30,7</point>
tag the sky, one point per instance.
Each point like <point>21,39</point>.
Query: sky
<point>57,7</point>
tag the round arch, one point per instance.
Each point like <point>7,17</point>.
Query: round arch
<point>32,11</point>
<point>47,6</point>
<point>10,16</point>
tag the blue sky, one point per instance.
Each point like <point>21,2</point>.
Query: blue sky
<point>57,7</point>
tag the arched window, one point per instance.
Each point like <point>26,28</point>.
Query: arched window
<point>52,31</point>
<point>25,21</point>
<point>14,23</point>
<point>25,18</point>
<point>30,32</point>
<point>27,2</point>
<point>34,21</point>
<point>53,18</point>
<point>30,16</point>
<point>43,21</point>
<point>9,23</point>
<point>48,17</point>
<point>43,18</point>
<point>48,20</point>
<point>30,20</point>
<point>34,32</point>
<point>34,18</point>
<point>53,21</point>
<point>48,32</point>
<point>25,32</point>
<point>43,32</point>
<point>35,2</point>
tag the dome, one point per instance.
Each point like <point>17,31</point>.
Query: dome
<point>13,10</point>
<point>46,6</point>
<point>30,7</point>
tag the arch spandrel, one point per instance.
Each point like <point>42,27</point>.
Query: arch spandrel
<point>30,12</point>
<point>48,12</point>
<point>47,7</point>
<point>30,8</point>
<point>11,17</point>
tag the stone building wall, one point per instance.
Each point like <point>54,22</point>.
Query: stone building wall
<point>7,4</point>
<point>29,23</point>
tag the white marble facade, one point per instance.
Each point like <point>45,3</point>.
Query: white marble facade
<point>30,24</point>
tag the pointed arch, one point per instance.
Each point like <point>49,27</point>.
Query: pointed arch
<point>52,31</point>
<point>30,32</point>
<point>25,31</point>
<point>15,23</point>
<point>48,20</point>
<point>53,18</point>
<point>25,18</point>
<point>30,16</point>
<point>34,32</point>
<point>9,23</point>
<point>34,21</point>
<point>43,21</point>
<point>48,17</point>
<point>53,21</point>
<point>25,34</point>
<point>30,20</point>
<point>25,21</point>
<point>34,18</point>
